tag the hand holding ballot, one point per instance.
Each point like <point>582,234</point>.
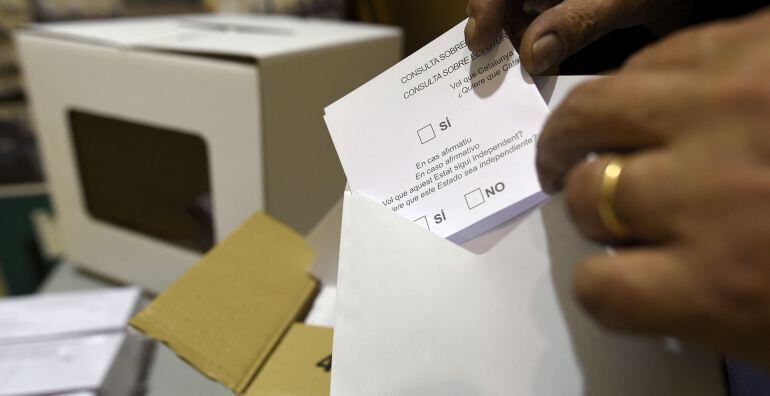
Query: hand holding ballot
<point>682,132</point>
<point>684,181</point>
<point>547,32</point>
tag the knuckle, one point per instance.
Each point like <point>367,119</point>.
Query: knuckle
<point>571,104</point>
<point>606,296</point>
<point>545,147</point>
<point>541,160</point>
<point>741,180</point>
<point>640,60</point>
<point>742,288</point>
<point>580,21</point>
<point>583,92</point>
<point>580,106</point>
<point>582,189</point>
<point>571,115</point>
<point>557,136</point>
<point>587,283</point>
<point>478,8</point>
<point>574,198</point>
<point>475,6</point>
<point>600,293</point>
<point>633,186</point>
<point>545,139</point>
<point>577,185</point>
<point>680,49</point>
<point>741,92</point>
<point>756,186</point>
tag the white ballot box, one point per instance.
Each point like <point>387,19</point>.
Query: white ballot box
<point>71,343</point>
<point>420,315</point>
<point>161,135</point>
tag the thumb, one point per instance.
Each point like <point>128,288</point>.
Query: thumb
<point>563,29</point>
<point>485,21</point>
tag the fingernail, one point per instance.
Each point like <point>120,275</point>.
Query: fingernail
<point>546,51</point>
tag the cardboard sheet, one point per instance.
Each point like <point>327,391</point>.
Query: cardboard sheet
<point>227,314</point>
<point>299,366</point>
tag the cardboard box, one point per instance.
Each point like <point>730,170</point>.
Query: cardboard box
<point>160,135</point>
<point>73,342</point>
<point>228,315</point>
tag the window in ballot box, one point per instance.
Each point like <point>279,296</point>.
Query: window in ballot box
<point>151,180</point>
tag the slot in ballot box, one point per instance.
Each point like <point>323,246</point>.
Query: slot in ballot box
<point>160,135</point>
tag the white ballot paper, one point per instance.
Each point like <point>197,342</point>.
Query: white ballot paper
<point>446,138</point>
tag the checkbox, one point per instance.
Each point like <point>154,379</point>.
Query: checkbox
<point>474,198</point>
<point>422,222</point>
<point>426,134</point>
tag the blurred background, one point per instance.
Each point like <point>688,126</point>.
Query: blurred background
<point>28,247</point>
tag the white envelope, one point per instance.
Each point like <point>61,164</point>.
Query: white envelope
<point>419,315</point>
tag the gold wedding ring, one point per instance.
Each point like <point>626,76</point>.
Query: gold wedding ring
<point>606,205</point>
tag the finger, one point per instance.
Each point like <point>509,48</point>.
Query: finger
<point>682,50</point>
<point>485,22</point>
<point>695,48</point>
<point>642,199</point>
<point>650,291</point>
<point>689,49</point>
<point>562,30</point>
<point>538,6</point>
<point>614,114</point>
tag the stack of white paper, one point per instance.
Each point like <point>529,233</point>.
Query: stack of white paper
<point>56,315</point>
<point>70,343</point>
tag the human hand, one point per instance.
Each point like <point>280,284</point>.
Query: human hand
<point>563,27</point>
<point>690,120</point>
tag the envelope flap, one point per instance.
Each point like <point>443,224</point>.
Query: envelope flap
<point>226,315</point>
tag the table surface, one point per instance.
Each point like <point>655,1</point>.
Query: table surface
<point>168,375</point>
